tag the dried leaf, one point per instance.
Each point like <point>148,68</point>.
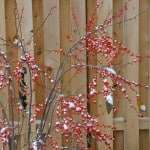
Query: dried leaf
<point>139,102</point>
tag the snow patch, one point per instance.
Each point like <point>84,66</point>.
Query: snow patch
<point>110,70</point>
<point>109,99</point>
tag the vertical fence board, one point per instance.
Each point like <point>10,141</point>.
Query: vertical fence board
<point>37,9</point>
<point>118,35</point>
<point>131,28</point>
<point>119,140</point>
<point>12,52</point>
<point>10,35</point>
<point>65,45</point>
<point>144,140</point>
<point>68,27</point>
<point>104,14</point>
<point>51,54</point>
<point>78,82</point>
<point>148,41</point>
<point>25,32</point>
<point>3,93</point>
<point>145,65</point>
<point>118,99</point>
<point>149,67</point>
<point>144,32</point>
<point>78,8</point>
<point>92,109</point>
<point>90,7</point>
<point>2,23</point>
<point>52,35</point>
<point>144,51</point>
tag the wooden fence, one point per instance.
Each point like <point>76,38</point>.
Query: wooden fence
<point>132,29</point>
